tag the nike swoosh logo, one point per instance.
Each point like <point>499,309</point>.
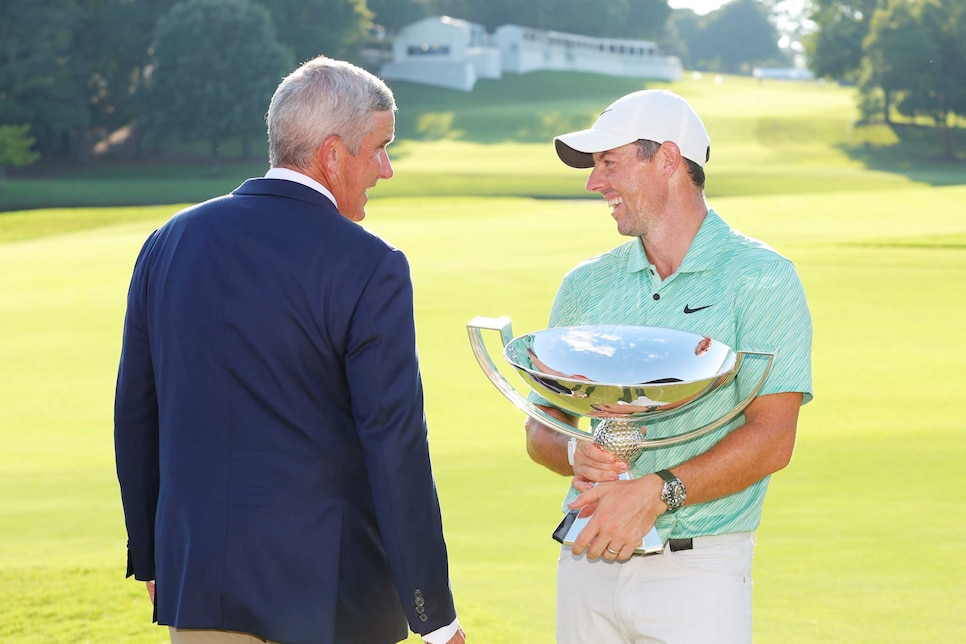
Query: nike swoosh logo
<point>688,309</point>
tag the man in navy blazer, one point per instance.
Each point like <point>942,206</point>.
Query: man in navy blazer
<point>269,427</point>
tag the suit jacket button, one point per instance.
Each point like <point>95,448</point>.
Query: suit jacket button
<point>420,601</point>
<point>420,610</point>
<point>418,594</point>
<point>422,617</point>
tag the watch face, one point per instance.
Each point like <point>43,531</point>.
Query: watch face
<point>674,494</point>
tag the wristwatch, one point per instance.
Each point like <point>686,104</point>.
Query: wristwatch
<point>674,491</point>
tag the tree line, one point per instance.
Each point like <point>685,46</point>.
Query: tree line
<point>166,71</point>
<point>163,72</point>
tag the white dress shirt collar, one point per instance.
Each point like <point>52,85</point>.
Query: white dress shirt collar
<point>298,177</point>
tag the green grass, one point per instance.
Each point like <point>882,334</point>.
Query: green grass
<point>861,534</point>
<point>855,522</point>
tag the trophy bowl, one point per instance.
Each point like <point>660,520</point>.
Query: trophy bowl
<point>620,371</point>
<point>623,375</point>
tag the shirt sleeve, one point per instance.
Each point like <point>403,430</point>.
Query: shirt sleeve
<point>442,635</point>
<point>772,315</point>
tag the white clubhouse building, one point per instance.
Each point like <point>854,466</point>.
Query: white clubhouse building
<point>452,53</point>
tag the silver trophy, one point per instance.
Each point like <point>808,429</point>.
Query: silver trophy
<point>624,376</point>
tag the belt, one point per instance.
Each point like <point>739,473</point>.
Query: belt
<point>692,543</point>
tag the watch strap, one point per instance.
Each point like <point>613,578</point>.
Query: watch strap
<point>667,476</point>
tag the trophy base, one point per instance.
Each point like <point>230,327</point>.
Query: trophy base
<point>566,533</point>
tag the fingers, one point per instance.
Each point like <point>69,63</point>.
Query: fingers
<point>601,546</point>
<point>598,547</point>
<point>614,552</point>
<point>581,484</point>
<point>597,474</point>
<point>590,497</point>
<point>595,464</point>
<point>617,523</point>
<point>595,453</point>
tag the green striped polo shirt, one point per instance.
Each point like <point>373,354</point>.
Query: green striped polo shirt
<point>736,290</point>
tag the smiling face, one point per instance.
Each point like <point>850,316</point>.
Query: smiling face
<point>632,187</point>
<point>358,172</point>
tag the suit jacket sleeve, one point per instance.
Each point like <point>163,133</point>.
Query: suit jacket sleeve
<point>136,427</point>
<point>387,404</point>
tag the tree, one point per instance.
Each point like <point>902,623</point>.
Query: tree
<point>15,149</point>
<point>216,65</point>
<point>835,47</point>
<point>36,80</point>
<point>111,41</point>
<point>894,47</point>
<point>68,67</point>
<point>915,55</point>
<point>646,19</point>
<point>732,39</point>
<point>683,29</point>
<point>613,18</point>
<point>394,15</point>
<point>335,28</point>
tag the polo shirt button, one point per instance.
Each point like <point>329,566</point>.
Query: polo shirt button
<point>657,296</point>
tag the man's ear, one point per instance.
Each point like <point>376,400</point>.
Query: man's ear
<point>670,157</point>
<point>330,154</point>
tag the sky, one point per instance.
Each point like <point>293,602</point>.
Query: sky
<point>697,6</point>
<point>706,6</point>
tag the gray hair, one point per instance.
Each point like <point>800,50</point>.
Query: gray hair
<point>321,98</point>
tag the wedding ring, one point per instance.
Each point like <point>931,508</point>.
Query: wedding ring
<point>613,552</point>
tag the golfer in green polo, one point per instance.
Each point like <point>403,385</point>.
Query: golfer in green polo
<point>684,268</point>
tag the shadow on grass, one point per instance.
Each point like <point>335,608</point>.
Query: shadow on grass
<point>913,151</point>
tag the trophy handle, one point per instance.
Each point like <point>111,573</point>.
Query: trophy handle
<point>475,329</point>
<point>734,413</point>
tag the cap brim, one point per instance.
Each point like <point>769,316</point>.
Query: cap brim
<point>577,148</point>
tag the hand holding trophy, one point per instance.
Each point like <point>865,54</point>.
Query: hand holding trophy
<point>621,375</point>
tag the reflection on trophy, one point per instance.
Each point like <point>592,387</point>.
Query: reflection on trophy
<point>623,376</point>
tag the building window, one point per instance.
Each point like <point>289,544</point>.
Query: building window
<point>426,49</point>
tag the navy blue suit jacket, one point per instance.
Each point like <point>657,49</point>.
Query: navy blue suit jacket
<point>269,427</point>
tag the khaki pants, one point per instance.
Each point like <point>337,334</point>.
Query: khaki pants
<point>687,597</point>
<point>192,636</point>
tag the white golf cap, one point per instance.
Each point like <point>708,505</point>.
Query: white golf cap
<point>652,114</point>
